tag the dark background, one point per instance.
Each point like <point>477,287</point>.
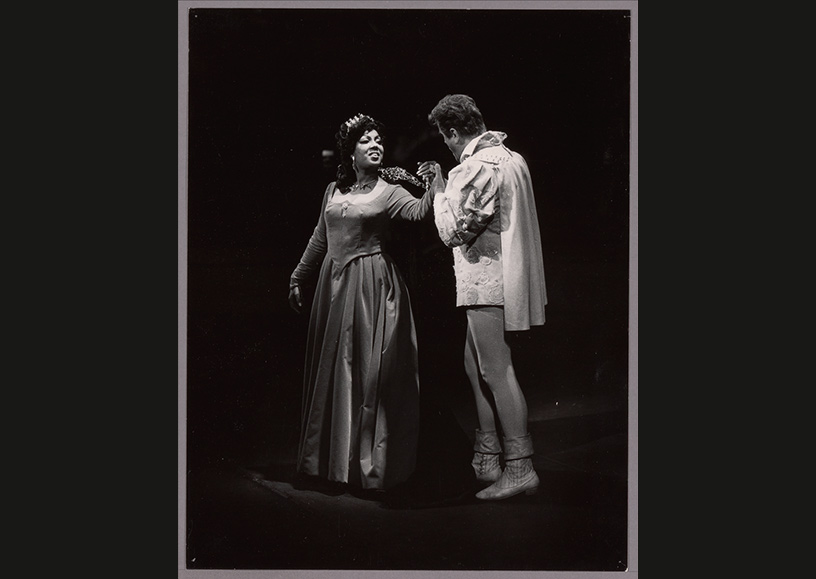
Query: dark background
<point>268,89</point>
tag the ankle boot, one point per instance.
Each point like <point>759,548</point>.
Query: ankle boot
<point>518,476</point>
<point>486,456</point>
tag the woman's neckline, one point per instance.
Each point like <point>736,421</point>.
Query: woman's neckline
<point>355,196</point>
<point>375,182</point>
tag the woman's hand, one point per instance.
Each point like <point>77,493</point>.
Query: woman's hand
<point>431,173</point>
<point>295,298</point>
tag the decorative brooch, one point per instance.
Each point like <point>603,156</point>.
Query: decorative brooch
<point>399,174</point>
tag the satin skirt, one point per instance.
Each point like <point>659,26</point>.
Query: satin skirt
<point>360,421</point>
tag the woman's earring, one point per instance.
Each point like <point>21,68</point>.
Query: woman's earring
<point>353,163</point>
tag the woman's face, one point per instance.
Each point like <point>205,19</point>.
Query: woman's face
<point>368,152</point>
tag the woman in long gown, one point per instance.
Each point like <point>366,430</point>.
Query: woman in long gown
<point>360,418</point>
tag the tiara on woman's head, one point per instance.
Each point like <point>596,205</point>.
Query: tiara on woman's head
<point>356,119</point>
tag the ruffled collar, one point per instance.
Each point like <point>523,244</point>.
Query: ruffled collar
<point>487,139</point>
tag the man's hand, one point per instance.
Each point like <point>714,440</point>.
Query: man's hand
<point>431,173</point>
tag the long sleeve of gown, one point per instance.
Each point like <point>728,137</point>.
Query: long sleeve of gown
<point>468,205</point>
<point>316,248</point>
<point>403,205</point>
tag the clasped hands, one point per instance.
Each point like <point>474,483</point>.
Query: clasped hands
<point>431,173</point>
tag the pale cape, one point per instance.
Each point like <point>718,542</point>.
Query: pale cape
<point>525,291</point>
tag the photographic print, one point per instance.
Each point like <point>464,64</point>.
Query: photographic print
<point>407,287</point>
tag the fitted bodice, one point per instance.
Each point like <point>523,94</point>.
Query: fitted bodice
<point>355,225</point>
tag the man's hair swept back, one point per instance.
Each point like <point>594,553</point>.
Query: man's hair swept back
<point>458,111</point>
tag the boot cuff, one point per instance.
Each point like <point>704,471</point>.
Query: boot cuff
<point>487,442</point>
<point>518,447</point>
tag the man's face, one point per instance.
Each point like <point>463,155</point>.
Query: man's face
<point>453,141</point>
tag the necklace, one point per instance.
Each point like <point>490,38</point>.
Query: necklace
<point>362,186</point>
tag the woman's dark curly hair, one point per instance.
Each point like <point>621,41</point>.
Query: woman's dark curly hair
<point>460,112</point>
<point>347,137</point>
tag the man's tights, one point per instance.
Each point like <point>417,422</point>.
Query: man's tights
<point>489,367</point>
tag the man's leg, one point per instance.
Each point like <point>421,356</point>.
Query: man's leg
<point>491,356</point>
<point>486,446</point>
<point>486,328</point>
<point>484,403</point>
